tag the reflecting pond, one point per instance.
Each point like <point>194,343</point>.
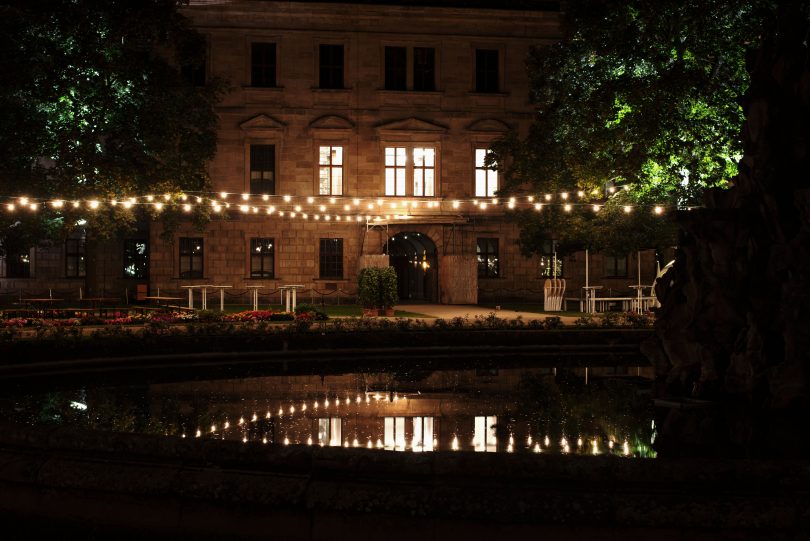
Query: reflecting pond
<point>513,410</point>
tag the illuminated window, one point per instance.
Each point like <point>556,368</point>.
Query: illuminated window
<point>394,433</point>
<point>486,178</point>
<point>262,258</point>
<point>191,257</point>
<point>136,258</point>
<point>329,431</point>
<point>551,267</point>
<point>418,163</point>
<point>488,259</point>
<point>485,439</point>
<point>422,434</point>
<point>330,170</point>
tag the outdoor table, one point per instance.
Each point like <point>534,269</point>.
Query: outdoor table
<point>289,293</point>
<point>221,295</point>
<point>191,296</point>
<point>640,296</point>
<point>590,298</point>
<point>255,295</point>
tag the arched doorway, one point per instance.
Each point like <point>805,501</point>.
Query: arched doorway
<point>413,256</point>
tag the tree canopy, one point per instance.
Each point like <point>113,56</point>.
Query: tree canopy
<point>96,101</point>
<point>639,94</point>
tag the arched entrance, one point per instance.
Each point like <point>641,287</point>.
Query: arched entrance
<point>413,256</point>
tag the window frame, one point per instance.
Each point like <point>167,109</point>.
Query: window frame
<point>330,431</point>
<point>322,68</point>
<point>432,86</point>
<point>482,89</point>
<point>410,169</point>
<point>611,271</point>
<point>487,150</point>
<point>273,181</point>
<point>134,242</point>
<point>331,167</point>
<point>386,70</point>
<point>190,273</point>
<point>79,255</point>
<point>253,65</point>
<point>323,264</point>
<point>487,254</point>
<point>263,273</point>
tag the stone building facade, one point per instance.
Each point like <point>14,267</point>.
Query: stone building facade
<point>336,106</point>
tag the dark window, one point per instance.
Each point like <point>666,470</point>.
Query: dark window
<point>330,58</point>
<point>486,70</point>
<point>395,68</point>
<point>615,266</point>
<point>75,258</point>
<point>136,258</point>
<point>15,264</point>
<point>263,64</point>
<point>488,262</point>
<point>262,258</point>
<point>191,257</point>
<point>262,169</point>
<point>424,69</point>
<point>194,73</point>
<point>331,258</point>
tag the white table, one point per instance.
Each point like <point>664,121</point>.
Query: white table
<point>255,295</point>
<point>191,295</point>
<point>640,298</point>
<point>289,292</point>
<point>590,298</point>
<point>221,296</point>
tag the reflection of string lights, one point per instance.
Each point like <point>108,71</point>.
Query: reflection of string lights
<point>425,442</point>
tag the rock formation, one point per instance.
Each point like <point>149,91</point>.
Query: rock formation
<point>732,346</point>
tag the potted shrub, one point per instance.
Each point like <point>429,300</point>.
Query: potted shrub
<point>388,289</point>
<point>368,290</point>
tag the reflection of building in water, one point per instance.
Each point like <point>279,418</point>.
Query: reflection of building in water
<point>481,410</point>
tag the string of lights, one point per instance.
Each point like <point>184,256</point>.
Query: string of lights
<point>326,208</point>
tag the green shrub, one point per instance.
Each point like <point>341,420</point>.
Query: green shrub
<point>553,322</point>
<point>587,321</point>
<point>611,319</point>
<point>306,308</point>
<point>377,287</point>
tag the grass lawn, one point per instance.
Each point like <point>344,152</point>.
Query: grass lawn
<point>529,307</point>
